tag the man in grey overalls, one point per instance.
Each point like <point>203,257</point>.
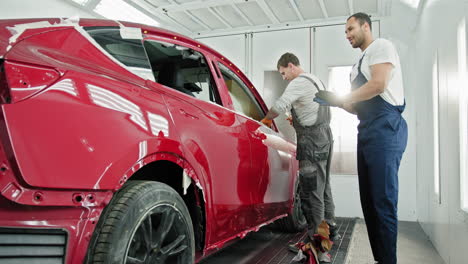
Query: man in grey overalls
<point>314,140</point>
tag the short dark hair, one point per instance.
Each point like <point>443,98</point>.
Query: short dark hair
<point>286,59</point>
<point>362,18</point>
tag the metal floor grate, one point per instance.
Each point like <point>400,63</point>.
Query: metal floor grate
<point>269,246</point>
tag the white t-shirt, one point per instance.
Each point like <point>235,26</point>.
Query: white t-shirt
<point>383,51</point>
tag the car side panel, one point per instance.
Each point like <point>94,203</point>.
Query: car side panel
<point>271,156</point>
<point>89,128</point>
<point>86,131</point>
<point>274,166</point>
<point>214,140</point>
<point>68,49</point>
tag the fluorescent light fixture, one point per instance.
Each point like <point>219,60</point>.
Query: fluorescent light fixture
<point>463,110</point>
<point>412,3</point>
<point>436,124</point>
<point>120,10</point>
<point>81,2</point>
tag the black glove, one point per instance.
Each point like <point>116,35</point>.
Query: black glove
<point>321,102</point>
<point>330,98</point>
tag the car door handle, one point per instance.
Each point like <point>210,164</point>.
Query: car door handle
<point>182,111</point>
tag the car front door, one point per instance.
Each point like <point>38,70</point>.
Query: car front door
<point>273,158</point>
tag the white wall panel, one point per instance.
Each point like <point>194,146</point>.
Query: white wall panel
<point>267,48</point>
<point>444,222</point>
<point>233,47</point>
<point>49,8</point>
<point>345,190</point>
<point>331,49</point>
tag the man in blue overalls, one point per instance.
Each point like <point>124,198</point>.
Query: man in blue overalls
<point>377,97</point>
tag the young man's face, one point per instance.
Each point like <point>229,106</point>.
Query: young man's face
<point>355,32</point>
<point>287,72</point>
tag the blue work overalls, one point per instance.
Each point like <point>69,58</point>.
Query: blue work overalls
<point>382,138</point>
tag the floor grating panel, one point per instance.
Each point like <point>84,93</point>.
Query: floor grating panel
<point>269,246</point>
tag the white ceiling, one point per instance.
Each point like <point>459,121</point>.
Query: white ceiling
<point>208,17</point>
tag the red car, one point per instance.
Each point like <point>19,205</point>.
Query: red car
<point>125,143</point>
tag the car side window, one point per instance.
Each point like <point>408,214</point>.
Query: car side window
<point>129,52</point>
<point>242,99</point>
<point>182,69</point>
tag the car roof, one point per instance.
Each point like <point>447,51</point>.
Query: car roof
<point>92,22</point>
<point>87,22</point>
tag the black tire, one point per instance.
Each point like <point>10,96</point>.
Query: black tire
<point>145,222</point>
<point>295,221</point>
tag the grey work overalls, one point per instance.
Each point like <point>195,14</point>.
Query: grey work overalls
<point>314,151</point>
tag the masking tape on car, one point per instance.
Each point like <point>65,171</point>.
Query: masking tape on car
<point>186,181</point>
<point>129,32</point>
<point>17,30</point>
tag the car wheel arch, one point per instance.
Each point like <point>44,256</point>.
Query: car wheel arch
<point>170,169</point>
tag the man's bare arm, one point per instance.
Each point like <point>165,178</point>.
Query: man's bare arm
<point>349,108</point>
<point>381,74</point>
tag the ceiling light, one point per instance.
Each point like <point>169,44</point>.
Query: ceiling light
<point>120,10</point>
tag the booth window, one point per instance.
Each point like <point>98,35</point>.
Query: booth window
<point>343,125</point>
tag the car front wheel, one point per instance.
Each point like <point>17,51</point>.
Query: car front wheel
<point>146,222</point>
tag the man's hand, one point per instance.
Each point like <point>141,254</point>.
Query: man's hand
<point>328,98</point>
<point>267,122</point>
<point>289,118</point>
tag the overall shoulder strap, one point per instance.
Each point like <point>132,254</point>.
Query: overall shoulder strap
<point>323,115</point>
<point>312,80</point>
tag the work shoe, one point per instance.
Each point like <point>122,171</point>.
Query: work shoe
<point>334,235</point>
<point>293,248</point>
<point>324,257</point>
